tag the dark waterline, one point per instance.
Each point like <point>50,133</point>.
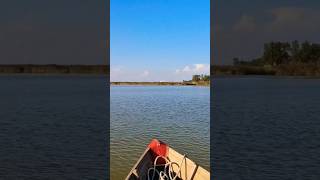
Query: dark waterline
<point>53,127</point>
<point>266,128</point>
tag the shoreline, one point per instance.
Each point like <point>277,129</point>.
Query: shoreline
<point>292,70</point>
<point>53,69</point>
<point>159,84</point>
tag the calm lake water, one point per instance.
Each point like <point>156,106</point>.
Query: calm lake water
<point>179,116</point>
<point>266,128</point>
<point>53,127</point>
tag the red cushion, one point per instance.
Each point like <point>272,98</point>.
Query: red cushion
<point>159,148</point>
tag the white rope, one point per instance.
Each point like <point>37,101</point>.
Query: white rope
<point>163,175</point>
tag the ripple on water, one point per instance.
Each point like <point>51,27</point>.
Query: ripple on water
<point>266,128</point>
<point>176,115</point>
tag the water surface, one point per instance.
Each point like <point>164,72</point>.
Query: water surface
<point>266,128</point>
<point>177,115</point>
<point>53,127</point>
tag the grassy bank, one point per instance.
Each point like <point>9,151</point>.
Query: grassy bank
<point>53,69</point>
<point>188,83</point>
<point>278,59</point>
<point>280,70</point>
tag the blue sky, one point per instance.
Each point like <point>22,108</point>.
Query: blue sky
<point>163,40</point>
<point>52,32</point>
<point>242,27</point>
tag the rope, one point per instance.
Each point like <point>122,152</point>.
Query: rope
<point>164,175</point>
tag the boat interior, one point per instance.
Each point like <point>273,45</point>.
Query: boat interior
<point>184,168</point>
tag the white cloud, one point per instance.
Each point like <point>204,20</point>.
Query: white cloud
<point>116,72</point>
<point>194,69</point>
<point>283,19</point>
<point>294,19</point>
<point>245,24</point>
<point>121,73</point>
<point>186,72</point>
<point>203,68</point>
<point>145,73</point>
<point>186,69</point>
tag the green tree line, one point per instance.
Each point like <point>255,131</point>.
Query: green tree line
<point>285,53</point>
<point>201,77</point>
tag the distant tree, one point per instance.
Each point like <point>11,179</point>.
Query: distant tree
<point>276,53</point>
<point>206,78</point>
<point>315,53</point>
<point>236,61</point>
<point>295,51</point>
<point>280,53</point>
<point>305,52</point>
<point>256,62</point>
<point>196,77</point>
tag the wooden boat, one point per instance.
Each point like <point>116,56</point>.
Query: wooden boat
<point>159,161</point>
